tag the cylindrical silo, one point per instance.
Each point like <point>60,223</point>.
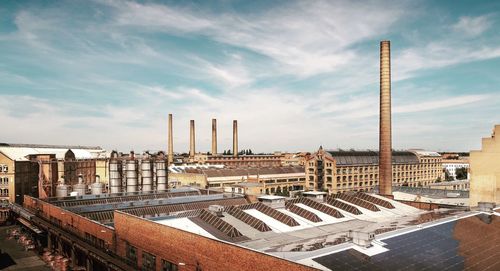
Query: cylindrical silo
<point>115,174</point>
<point>62,189</point>
<point>146,173</point>
<point>161,172</point>
<point>97,187</point>
<point>80,187</point>
<point>131,172</point>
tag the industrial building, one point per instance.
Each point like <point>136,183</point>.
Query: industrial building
<point>272,179</point>
<point>234,160</point>
<point>198,229</point>
<point>341,171</point>
<point>28,169</point>
<point>144,225</point>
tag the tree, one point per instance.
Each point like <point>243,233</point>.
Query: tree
<point>278,191</point>
<point>461,173</point>
<point>447,176</point>
<point>438,180</point>
<point>285,191</point>
<point>224,153</point>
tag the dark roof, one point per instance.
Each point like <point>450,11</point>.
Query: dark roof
<point>226,172</point>
<point>371,157</point>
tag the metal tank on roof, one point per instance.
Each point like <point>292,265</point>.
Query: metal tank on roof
<point>80,187</point>
<point>131,173</point>
<point>161,171</point>
<point>62,189</point>
<point>115,174</point>
<point>97,187</point>
<point>146,172</point>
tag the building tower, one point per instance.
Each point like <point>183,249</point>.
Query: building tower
<point>192,150</point>
<point>385,141</point>
<point>235,138</point>
<point>170,150</point>
<point>214,136</point>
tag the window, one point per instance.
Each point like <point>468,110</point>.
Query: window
<point>168,266</point>
<point>148,262</point>
<point>131,252</point>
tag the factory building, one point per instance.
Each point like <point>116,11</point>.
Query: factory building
<point>271,179</point>
<point>233,160</point>
<point>342,171</point>
<point>197,229</point>
<point>28,169</point>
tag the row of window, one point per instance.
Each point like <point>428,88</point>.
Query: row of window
<point>149,260</point>
<point>4,180</point>
<point>4,168</point>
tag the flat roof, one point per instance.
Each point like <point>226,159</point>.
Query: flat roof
<point>270,197</point>
<point>314,193</point>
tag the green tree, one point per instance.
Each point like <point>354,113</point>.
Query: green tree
<point>285,191</point>
<point>278,191</point>
<point>438,180</point>
<point>447,176</point>
<point>461,173</point>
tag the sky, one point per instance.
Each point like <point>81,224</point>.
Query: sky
<point>295,74</point>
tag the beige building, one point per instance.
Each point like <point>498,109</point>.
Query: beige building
<point>273,179</point>
<point>485,170</point>
<point>453,185</point>
<point>254,160</point>
<point>22,165</point>
<point>341,171</point>
<point>295,159</point>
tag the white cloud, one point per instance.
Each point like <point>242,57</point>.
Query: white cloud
<point>286,33</point>
<point>439,103</point>
<point>472,26</point>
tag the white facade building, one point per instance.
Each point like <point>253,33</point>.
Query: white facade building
<point>452,165</point>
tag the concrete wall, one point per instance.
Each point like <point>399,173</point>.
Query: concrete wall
<point>179,246</point>
<point>192,179</point>
<point>485,170</point>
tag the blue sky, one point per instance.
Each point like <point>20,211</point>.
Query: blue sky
<point>296,74</point>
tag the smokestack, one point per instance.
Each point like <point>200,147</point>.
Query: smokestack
<point>192,139</point>
<point>235,138</point>
<point>170,150</point>
<point>385,141</point>
<point>214,137</point>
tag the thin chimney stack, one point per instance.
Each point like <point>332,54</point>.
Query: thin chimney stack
<point>214,136</point>
<point>170,150</point>
<point>385,138</point>
<point>235,138</point>
<point>192,150</point>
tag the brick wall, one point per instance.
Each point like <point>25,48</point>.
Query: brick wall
<point>179,246</point>
<point>75,223</point>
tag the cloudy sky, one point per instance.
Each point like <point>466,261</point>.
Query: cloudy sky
<point>296,74</point>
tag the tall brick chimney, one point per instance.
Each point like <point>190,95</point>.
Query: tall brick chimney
<point>192,150</point>
<point>235,138</point>
<point>385,140</point>
<point>214,136</point>
<point>170,150</point>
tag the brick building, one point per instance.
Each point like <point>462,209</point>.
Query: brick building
<point>341,171</point>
